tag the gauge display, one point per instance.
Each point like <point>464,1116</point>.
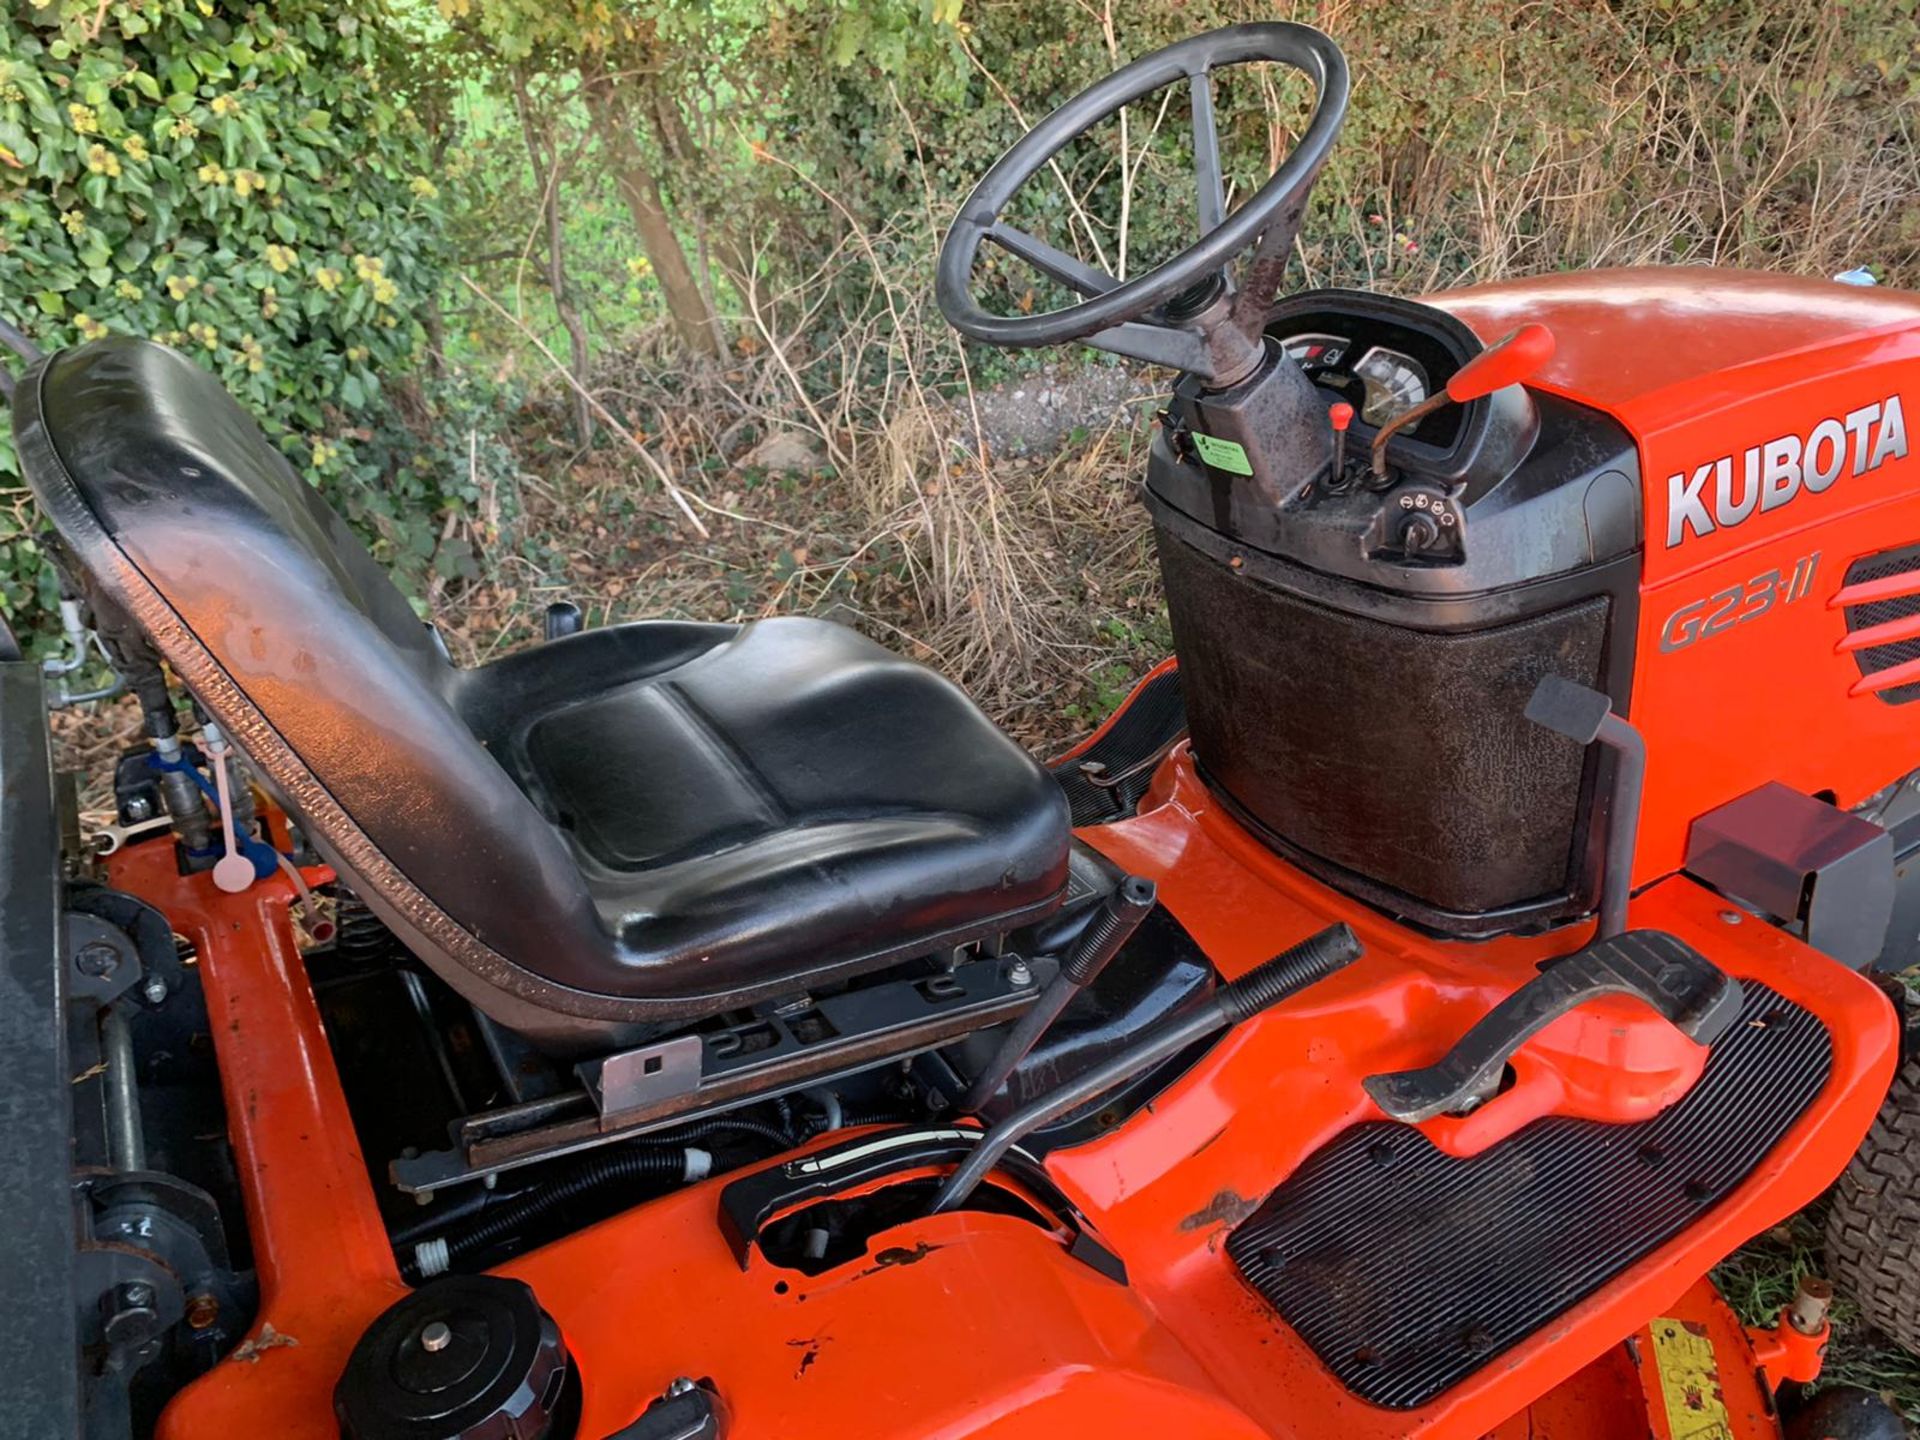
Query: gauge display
<point>1317,352</point>
<point>1394,382</point>
<point>1387,381</point>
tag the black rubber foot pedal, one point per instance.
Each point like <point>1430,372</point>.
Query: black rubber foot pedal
<point>1685,987</point>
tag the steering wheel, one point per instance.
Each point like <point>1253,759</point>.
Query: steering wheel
<point>1199,332</point>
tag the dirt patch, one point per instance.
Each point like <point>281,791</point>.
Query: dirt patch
<point>1036,414</point>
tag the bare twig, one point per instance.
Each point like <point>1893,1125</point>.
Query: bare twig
<point>674,492</point>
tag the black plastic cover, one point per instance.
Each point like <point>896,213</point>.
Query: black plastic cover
<point>1400,756</point>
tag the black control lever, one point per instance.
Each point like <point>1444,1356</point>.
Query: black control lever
<point>1118,917</point>
<point>1585,715</point>
<point>1288,973</point>
<point>1689,990</point>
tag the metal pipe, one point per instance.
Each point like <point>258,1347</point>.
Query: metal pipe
<point>1288,973</point>
<point>1623,823</point>
<point>1585,715</point>
<point>126,1146</point>
<point>1120,915</point>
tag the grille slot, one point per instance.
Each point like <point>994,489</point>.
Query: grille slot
<point>1879,658</point>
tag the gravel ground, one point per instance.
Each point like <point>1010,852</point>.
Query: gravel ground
<point>1034,414</point>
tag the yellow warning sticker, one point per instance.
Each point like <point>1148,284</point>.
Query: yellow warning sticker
<point>1690,1382</point>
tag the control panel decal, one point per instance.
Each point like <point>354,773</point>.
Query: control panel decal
<point>1227,455</point>
<point>1771,474</point>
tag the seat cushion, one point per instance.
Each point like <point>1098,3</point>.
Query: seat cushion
<point>771,794</point>
<point>624,829</point>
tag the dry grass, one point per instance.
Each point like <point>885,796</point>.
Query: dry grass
<point>1553,136</point>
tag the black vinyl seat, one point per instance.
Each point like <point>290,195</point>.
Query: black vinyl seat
<point>590,838</point>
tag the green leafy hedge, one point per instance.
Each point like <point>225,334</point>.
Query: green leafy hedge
<point>242,183</point>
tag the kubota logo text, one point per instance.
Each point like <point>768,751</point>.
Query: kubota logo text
<point>1773,473</point>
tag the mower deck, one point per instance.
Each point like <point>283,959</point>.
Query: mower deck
<point>1186,1346</point>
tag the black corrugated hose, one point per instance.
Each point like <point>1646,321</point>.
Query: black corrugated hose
<point>659,1156</point>
<point>625,1163</point>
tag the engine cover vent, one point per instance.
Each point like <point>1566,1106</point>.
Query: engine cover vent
<point>1897,613</point>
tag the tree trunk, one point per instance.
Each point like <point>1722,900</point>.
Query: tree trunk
<point>546,177</point>
<point>693,317</point>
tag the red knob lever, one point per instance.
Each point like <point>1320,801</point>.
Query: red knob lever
<point>1504,364</point>
<point>1341,415</point>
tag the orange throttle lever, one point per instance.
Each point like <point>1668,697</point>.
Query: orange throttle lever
<point>1498,366</point>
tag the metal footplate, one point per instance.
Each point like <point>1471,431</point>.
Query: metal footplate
<point>1407,1269</point>
<point>1675,979</point>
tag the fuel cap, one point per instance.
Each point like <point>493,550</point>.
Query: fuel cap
<point>465,1357</point>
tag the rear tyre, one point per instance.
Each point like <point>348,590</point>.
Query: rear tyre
<point>1873,1229</point>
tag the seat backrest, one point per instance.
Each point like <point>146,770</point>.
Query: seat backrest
<point>297,643</point>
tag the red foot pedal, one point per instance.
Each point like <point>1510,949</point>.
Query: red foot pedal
<point>1671,976</point>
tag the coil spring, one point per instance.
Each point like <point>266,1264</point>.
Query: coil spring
<point>361,938</point>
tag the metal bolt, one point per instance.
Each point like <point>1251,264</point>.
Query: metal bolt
<point>202,1311</point>
<point>1732,917</point>
<point>138,808</point>
<point>1808,1313</point>
<point>1019,975</point>
<point>98,959</point>
<point>127,1314</point>
<point>682,1386</point>
<point>435,1337</point>
<point>155,989</point>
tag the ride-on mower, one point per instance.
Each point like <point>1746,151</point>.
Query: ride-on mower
<point>1379,1027</point>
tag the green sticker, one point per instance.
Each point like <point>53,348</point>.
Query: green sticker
<point>1221,454</point>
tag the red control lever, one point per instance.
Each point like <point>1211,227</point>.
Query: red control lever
<point>1341,415</point>
<point>1504,364</point>
<point>1498,366</point>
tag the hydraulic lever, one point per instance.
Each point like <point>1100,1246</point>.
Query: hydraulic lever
<point>1119,916</point>
<point>1261,988</point>
<point>1507,363</point>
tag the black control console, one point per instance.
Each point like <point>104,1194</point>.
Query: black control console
<point>1358,643</point>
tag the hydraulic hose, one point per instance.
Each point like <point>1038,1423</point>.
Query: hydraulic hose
<point>662,1155</point>
<point>504,1220</point>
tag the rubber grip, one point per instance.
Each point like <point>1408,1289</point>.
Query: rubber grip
<point>1290,972</point>
<point>1120,915</point>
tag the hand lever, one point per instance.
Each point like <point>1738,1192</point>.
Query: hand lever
<point>1507,363</point>
<point>234,871</point>
<point>1262,987</point>
<point>1341,415</point>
